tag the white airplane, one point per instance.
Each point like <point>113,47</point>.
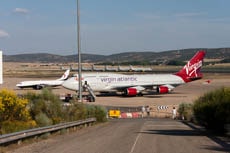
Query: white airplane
<point>135,84</point>
<point>39,84</point>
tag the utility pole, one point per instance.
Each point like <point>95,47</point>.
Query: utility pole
<point>79,53</point>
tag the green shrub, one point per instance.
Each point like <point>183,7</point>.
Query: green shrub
<point>185,111</point>
<point>15,126</point>
<point>31,110</point>
<point>213,109</point>
<point>100,113</point>
<point>45,103</point>
<point>90,110</point>
<point>46,108</point>
<point>76,111</point>
<point>42,119</point>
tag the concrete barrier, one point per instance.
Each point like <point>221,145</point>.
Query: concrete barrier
<point>130,115</point>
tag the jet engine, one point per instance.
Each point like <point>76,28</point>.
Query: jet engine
<point>130,92</point>
<point>164,89</point>
<point>38,87</point>
<point>133,91</point>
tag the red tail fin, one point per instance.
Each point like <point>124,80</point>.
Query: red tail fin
<point>191,71</point>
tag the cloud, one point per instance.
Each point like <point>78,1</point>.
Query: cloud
<point>3,34</point>
<point>148,16</point>
<point>21,11</point>
<point>189,14</point>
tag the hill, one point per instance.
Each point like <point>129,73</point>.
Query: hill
<point>222,54</point>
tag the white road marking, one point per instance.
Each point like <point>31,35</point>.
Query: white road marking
<point>133,147</point>
<point>136,140</point>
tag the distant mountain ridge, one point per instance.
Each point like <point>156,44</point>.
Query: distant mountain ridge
<point>184,54</point>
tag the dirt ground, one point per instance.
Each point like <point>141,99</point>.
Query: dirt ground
<point>186,93</point>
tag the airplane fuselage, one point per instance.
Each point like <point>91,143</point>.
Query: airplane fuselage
<point>39,84</point>
<point>134,84</point>
<point>115,81</point>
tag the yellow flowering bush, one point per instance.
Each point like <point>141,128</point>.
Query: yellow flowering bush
<point>13,110</point>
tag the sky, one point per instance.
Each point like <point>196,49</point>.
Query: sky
<point>112,26</point>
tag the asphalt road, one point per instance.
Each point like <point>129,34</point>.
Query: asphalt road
<point>130,136</point>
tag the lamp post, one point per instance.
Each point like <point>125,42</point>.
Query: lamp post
<point>79,53</point>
